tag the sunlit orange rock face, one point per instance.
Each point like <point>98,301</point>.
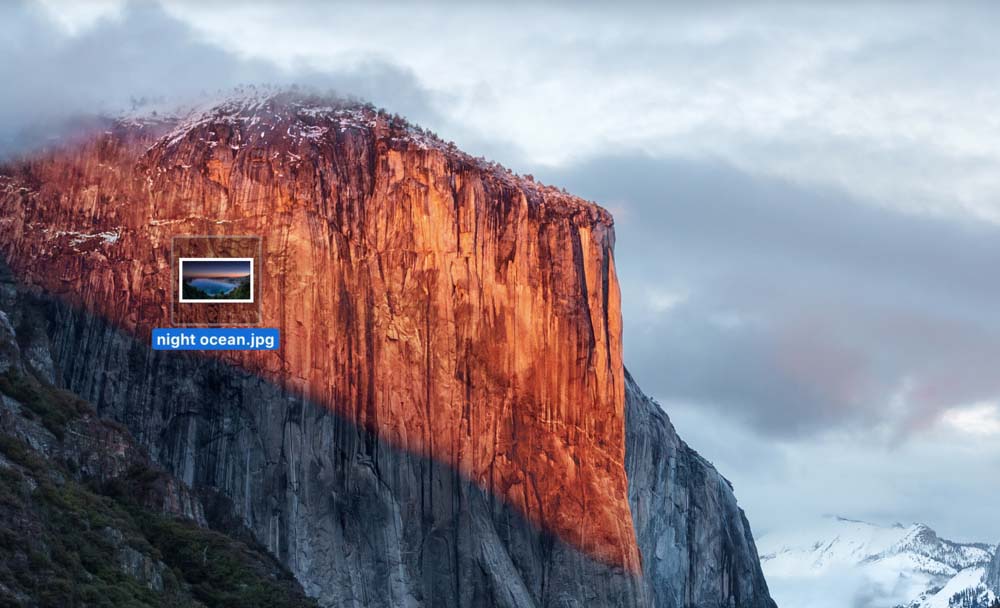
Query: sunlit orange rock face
<point>456,310</point>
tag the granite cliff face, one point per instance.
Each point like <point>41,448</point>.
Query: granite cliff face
<point>444,306</point>
<point>696,544</point>
<point>446,421</point>
<point>87,519</point>
<point>992,578</point>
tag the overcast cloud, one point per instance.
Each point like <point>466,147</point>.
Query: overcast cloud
<point>807,200</point>
<point>62,65</point>
<point>798,309</point>
<point>849,347</point>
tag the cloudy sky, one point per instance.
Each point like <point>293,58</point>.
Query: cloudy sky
<point>807,200</point>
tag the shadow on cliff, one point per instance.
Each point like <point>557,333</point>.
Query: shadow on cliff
<point>358,521</point>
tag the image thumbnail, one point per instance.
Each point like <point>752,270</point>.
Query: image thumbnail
<point>216,280</point>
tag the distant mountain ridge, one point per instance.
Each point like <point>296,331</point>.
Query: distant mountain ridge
<point>892,566</point>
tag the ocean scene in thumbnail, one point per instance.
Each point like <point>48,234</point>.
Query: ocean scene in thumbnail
<point>217,279</point>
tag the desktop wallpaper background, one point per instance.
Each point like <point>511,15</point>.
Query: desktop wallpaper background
<point>803,233</point>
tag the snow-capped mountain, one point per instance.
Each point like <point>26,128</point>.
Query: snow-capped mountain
<point>843,562</point>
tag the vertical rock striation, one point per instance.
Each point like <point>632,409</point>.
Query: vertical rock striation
<point>359,521</point>
<point>445,424</point>
<point>442,309</point>
<point>86,518</point>
<point>695,540</point>
<point>992,577</point>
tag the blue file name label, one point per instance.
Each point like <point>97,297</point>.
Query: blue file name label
<point>216,338</point>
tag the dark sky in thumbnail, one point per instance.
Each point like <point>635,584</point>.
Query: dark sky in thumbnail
<point>215,269</point>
